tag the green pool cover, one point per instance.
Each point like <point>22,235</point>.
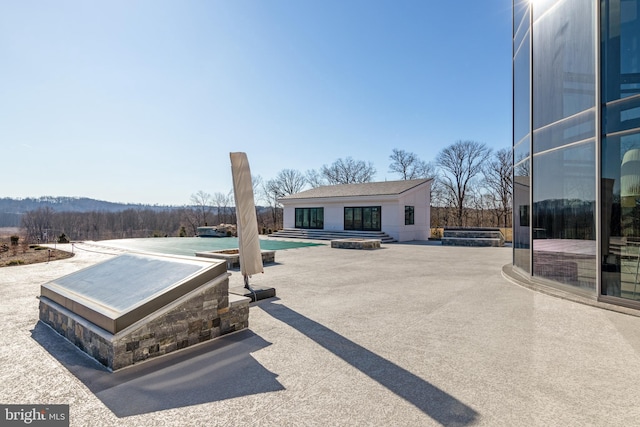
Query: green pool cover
<point>190,245</point>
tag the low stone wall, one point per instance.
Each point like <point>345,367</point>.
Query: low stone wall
<point>356,243</point>
<point>232,257</point>
<point>203,314</point>
<point>472,237</point>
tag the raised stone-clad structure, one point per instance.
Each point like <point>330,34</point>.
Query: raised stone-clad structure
<point>472,237</point>
<point>108,311</point>
<point>356,243</point>
<point>232,256</point>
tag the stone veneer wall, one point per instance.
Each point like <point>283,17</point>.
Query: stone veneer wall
<point>472,237</point>
<point>201,315</point>
<point>356,243</point>
<point>233,259</point>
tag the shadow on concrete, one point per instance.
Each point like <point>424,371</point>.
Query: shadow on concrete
<point>417,243</point>
<point>436,403</point>
<point>267,265</point>
<point>215,370</point>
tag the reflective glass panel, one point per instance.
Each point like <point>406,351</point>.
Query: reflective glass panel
<point>409,218</point>
<point>563,61</point>
<point>521,216</point>
<point>357,218</point>
<point>366,219</point>
<point>540,7</point>
<point>522,150</point>
<point>620,188</point>
<point>622,115</point>
<point>564,215</point>
<point>578,127</point>
<point>362,218</point>
<point>299,217</point>
<point>521,31</point>
<point>620,49</point>
<point>319,220</point>
<point>348,218</point>
<point>522,91</point>
<point>520,10</point>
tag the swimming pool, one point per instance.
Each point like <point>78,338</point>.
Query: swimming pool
<point>188,246</point>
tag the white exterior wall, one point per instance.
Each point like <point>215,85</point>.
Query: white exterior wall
<point>421,227</point>
<point>392,212</point>
<point>289,215</point>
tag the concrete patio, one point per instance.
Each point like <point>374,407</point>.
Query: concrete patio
<point>408,335</point>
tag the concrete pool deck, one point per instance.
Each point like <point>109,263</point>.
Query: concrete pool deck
<point>411,335</point>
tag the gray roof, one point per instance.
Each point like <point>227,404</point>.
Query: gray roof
<point>386,188</point>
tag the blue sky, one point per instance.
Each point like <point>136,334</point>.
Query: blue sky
<point>142,101</point>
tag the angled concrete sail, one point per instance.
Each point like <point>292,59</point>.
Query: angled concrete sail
<point>248,238</point>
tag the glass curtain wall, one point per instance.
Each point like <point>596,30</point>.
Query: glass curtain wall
<point>620,151</point>
<point>563,142</point>
<point>571,132</point>
<point>554,133</point>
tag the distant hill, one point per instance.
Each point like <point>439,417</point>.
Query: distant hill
<point>12,209</point>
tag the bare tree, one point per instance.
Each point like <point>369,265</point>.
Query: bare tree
<point>479,205</point>
<point>315,178</point>
<point>460,163</point>
<point>37,223</point>
<point>498,173</point>
<point>203,205</point>
<point>523,169</point>
<point>426,170</point>
<point>403,163</point>
<point>256,182</point>
<point>221,201</point>
<point>409,166</point>
<point>348,171</point>
<point>270,194</point>
<point>289,181</point>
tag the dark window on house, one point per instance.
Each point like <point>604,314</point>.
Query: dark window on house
<point>311,218</point>
<point>363,218</point>
<point>409,218</point>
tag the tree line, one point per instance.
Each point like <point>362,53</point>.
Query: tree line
<point>472,186</point>
<point>47,225</point>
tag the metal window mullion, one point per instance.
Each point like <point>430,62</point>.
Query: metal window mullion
<point>531,172</point>
<point>598,130</point>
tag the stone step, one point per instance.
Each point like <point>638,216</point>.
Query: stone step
<point>475,241</point>
<point>296,233</point>
<point>473,234</point>
<point>331,236</point>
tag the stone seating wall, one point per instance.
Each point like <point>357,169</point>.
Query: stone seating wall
<point>472,237</point>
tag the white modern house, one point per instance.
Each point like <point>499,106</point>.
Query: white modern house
<point>400,209</point>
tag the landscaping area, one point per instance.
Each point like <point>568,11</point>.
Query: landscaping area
<point>15,250</point>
